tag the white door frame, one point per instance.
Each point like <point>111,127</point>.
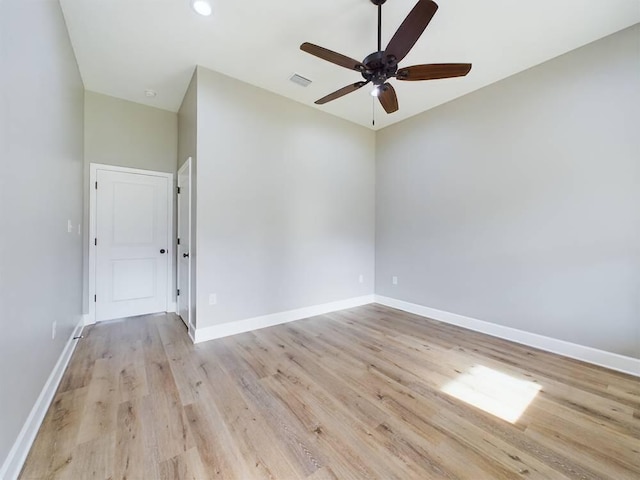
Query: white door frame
<point>93,172</point>
<point>186,165</point>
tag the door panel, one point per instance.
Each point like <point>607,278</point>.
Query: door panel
<point>133,279</point>
<point>133,226</point>
<point>184,234</point>
<point>131,231</point>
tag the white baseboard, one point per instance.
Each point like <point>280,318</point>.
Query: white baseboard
<point>89,318</point>
<point>249,324</point>
<point>602,358</point>
<point>13,464</point>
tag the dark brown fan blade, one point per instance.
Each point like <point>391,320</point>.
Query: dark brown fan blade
<point>433,71</point>
<point>388,98</point>
<point>411,29</point>
<point>331,56</point>
<point>341,93</point>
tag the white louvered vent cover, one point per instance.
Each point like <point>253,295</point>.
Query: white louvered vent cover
<point>300,80</point>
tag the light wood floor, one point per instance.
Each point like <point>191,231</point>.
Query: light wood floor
<point>351,395</point>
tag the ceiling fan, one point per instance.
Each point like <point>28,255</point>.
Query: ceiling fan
<point>382,65</point>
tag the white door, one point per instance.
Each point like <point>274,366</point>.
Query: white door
<point>184,242</point>
<point>131,242</point>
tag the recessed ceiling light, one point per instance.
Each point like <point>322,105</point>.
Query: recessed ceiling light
<point>150,93</point>
<point>203,7</point>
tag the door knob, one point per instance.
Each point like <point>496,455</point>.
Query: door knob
<point>185,255</point>
<point>162,250</point>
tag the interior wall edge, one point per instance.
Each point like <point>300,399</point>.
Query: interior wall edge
<point>590,355</point>
<point>18,453</point>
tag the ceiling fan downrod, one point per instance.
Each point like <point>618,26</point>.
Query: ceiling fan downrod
<point>377,69</point>
<point>379,4</point>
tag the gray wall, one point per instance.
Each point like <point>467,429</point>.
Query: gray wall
<point>187,147</point>
<point>125,134</point>
<point>128,134</point>
<point>285,203</point>
<point>40,190</point>
<point>519,204</point>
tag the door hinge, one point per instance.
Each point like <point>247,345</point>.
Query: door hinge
<point>95,298</point>
<point>178,189</point>
<point>178,241</point>
<point>95,241</point>
<point>96,186</point>
<point>178,292</point>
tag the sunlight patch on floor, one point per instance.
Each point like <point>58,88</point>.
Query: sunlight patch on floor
<point>494,392</point>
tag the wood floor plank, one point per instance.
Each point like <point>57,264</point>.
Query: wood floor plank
<point>324,473</point>
<point>101,407</point>
<point>132,377</point>
<point>365,393</point>
<point>613,456</point>
<point>219,453</point>
<point>278,421</point>
<point>171,431</point>
<point>347,438</point>
<point>179,351</point>
<point>130,447</point>
<point>93,460</point>
<point>186,466</point>
<point>253,427</point>
<point>78,373</point>
<point>57,437</point>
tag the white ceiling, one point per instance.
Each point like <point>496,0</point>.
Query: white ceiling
<point>124,47</point>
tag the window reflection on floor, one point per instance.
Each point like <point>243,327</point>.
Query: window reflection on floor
<point>494,392</point>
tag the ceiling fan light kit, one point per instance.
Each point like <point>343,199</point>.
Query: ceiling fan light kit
<point>382,65</point>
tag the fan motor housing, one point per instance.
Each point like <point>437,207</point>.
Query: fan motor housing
<point>378,68</point>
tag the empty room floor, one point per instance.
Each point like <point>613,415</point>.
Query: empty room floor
<point>369,392</point>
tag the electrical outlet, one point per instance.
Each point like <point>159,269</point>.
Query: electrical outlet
<point>213,298</point>
<point>361,278</point>
<point>53,330</point>
<point>69,226</point>
<point>394,280</point>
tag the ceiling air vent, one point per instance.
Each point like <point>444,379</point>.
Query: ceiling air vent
<point>300,80</point>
